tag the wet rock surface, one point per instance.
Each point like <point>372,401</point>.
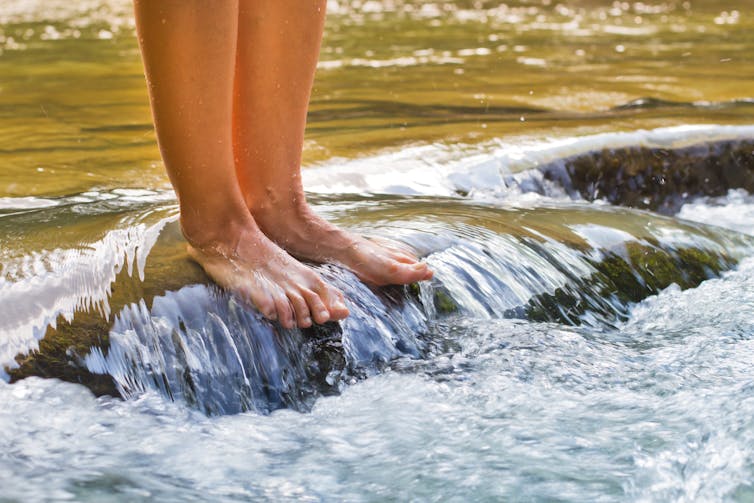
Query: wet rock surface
<point>657,179</point>
<point>173,331</point>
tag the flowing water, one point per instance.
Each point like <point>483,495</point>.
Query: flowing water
<point>578,174</point>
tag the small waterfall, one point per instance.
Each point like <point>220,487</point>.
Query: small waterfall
<point>656,169</point>
<point>554,257</point>
<point>204,347</point>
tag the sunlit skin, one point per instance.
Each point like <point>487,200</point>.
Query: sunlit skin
<point>229,83</point>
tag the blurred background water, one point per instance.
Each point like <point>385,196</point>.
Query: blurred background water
<point>392,73</point>
<point>567,351</point>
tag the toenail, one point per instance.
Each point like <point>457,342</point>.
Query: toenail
<point>324,314</point>
<point>339,305</point>
<point>307,321</point>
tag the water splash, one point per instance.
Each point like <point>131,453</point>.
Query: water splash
<point>43,287</point>
<point>497,171</point>
<point>203,347</point>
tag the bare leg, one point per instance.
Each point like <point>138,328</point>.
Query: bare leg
<point>189,52</point>
<point>278,47</point>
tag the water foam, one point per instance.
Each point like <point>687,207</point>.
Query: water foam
<point>494,170</point>
<point>45,285</point>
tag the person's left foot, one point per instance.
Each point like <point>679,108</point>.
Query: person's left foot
<point>306,235</point>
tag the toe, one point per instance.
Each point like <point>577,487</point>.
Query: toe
<point>264,303</point>
<point>317,307</point>
<point>301,309</point>
<point>401,273</point>
<point>420,271</point>
<point>332,299</point>
<point>284,309</point>
<point>336,304</point>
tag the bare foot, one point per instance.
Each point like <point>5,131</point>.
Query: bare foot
<point>306,235</point>
<point>282,288</point>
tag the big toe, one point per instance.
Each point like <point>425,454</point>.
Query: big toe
<point>336,304</point>
<point>402,257</point>
<point>402,273</point>
<point>325,304</point>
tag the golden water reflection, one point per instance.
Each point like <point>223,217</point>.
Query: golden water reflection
<point>74,113</point>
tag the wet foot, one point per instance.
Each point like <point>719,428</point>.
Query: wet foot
<point>249,264</point>
<point>308,236</point>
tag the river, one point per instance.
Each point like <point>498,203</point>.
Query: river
<point>578,174</point>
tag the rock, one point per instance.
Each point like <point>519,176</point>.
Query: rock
<point>176,333</point>
<point>657,179</point>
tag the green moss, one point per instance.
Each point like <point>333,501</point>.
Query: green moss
<point>444,303</point>
<point>620,281</point>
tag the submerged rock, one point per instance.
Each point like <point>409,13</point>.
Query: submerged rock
<point>165,327</point>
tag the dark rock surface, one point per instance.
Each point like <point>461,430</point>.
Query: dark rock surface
<point>657,179</point>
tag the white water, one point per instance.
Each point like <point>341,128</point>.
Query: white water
<point>658,410</point>
<point>495,170</point>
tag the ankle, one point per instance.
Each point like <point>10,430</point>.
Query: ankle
<point>272,202</point>
<point>216,236</point>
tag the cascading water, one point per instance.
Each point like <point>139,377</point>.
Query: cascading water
<point>530,325</point>
<point>146,321</point>
<point>568,349</point>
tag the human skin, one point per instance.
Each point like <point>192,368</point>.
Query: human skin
<point>229,84</point>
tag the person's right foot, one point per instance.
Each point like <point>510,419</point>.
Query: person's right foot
<point>303,233</point>
<point>282,288</point>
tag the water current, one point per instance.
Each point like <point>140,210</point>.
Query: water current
<point>578,176</point>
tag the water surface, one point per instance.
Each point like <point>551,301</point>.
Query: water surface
<point>568,350</point>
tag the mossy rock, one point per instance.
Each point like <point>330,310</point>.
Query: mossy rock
<point>657,179</point>
<point>62,350</point>
<point>620,275</point>
<point>621,281</point>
